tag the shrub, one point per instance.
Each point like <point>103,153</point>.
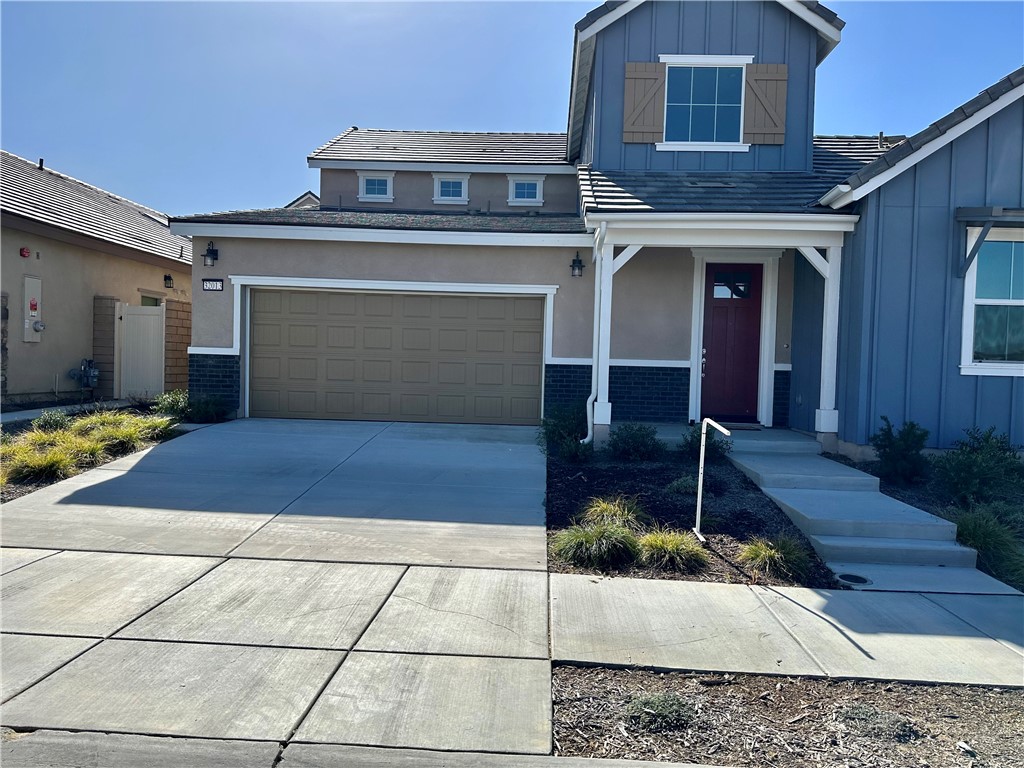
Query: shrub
<point>49,421</point>
<point>40,456</point>
<point>870,721</point>
<point>779,556</point>
<point>983,467</point>
<point>656,712</point>
<point>173,404</point>
<point>1000,552</point>
<point>602,545</point>
<point>672,551</point>
<point>684,486</point>
<point>635,442</point>
<point>621,510</point>
<point>206,410</point>
<point>716,447</point>
<point>899,452</point>
<point>561,431</point>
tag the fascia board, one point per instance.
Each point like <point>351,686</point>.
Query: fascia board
<point>371,165</point>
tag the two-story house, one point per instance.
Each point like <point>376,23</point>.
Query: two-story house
<point>687,248</point>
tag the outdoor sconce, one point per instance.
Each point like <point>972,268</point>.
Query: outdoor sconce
<point>577,266</point>
<point>168,281</point>
<point>210,256</point>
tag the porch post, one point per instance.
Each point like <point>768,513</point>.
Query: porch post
<point>602,354</point>
<point>826,417</point>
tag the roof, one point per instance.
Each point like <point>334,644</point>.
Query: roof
<point>308,199</point>
<point>55,199</point>
<point>374,144</point>
<point>935,135</point>
<point>829,16</point>
<point>835,157</point>
<point>544,223</point>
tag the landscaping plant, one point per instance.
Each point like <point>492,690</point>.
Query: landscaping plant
<point>50,421</point>
<point>600,545</point>
<point>657,712</point>
<point>983,467</point>
<point>1000,550</point>
<point>779,556</point>
<point>672,550</point>
<point>899,452</point>
<point>635,442</point>
<point>716,448</point>
<point>620,510</point>
<point>684,486</point>
<point>173,404</point>
<point>561,432</point>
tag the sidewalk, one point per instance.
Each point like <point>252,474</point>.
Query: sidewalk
<point>14,417</point>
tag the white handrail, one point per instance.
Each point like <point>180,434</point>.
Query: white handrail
<point>700,467</point>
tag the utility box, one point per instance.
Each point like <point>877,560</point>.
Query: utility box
<point>33,309</point>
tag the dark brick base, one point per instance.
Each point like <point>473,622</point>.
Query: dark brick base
<point>216,376</point>
<point>780,403</point>
<point>566,385</point>
<point>637,392</point>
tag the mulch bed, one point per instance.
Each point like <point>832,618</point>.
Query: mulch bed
<point>734,510</point>
<point>751,720</point>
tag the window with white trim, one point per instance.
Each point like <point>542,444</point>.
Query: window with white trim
<point>525,190</point>
<point>451,188</point>
<point>993,321</point>
<point>704,103</point>
<point>376,187</point>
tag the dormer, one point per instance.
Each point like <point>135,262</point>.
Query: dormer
<point>698,85</point>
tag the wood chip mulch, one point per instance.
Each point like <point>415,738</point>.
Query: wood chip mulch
<point>751,720</point>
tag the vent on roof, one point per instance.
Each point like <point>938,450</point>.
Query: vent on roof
<point>707,184</point>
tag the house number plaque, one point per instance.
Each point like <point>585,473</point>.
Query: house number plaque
<point>213,285</point>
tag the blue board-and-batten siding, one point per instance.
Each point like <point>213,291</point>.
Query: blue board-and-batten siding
<point>902,300</point>
<point>764,30</point>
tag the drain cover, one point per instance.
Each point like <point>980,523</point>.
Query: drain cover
<point>852,578</point>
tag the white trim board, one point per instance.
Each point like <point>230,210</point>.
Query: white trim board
<point>373,165</point>
<point>842,195</point>
<point>620,362</point>
<point>352,235</point>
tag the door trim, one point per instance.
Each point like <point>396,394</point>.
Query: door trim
<point>769,260</point>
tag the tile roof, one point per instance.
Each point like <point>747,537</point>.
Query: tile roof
<point>372,144</point>
<point>542,223</point>
<point>835,157</point>
<point>52,198</point>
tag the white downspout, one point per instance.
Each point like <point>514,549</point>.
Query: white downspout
<point>598,242</point>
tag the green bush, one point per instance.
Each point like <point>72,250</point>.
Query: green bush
<point>173,404</point>
<point>38,456</point>
<point>635,442</point>
<point>899,452</point>
<point>50,421</point>
<point>672,551</point>
<point>983,467</point>
<point>684,486</point>
<point>716,447</point>
<point>207,410</point>
<point>778,556</point>
<point>1000,551</point>
<point>620,510</point>
<point>601,545</point>
<point>656,712</point>
<point>562,427</point>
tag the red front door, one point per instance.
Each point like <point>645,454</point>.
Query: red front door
<point>732,341</point>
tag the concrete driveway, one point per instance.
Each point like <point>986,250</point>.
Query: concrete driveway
<point>279,581</point>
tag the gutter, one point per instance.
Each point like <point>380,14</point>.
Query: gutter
<point>598,243</point>
<point>835,197</point>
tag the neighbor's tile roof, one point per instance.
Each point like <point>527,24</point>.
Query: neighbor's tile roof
<point>372,144</point>
<point>835,158</point>
<point>542,223</point>
<point>49,197</point>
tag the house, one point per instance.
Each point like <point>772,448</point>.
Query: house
<point>687,248</point>
<point>307,199</point>
<point>88,275</point>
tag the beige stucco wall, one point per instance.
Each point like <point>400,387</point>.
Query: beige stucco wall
<point>71,276</point>
<point>414,190</point>
<point>651,300</point>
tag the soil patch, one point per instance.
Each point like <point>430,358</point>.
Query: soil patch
<point>734,511</point>
<point>751,720</point>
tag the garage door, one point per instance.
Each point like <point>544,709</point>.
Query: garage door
<point>396,357</point>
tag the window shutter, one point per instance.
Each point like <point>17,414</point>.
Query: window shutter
<point>764,104</point>
<point>644,105</point>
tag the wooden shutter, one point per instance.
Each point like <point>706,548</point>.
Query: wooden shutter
<point>644,105</point>
<point>764,104</point>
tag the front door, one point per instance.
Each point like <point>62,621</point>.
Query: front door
<point>732,341</point>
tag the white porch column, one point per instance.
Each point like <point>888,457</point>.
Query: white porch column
<point>602,354</point>
<point>826,417</point>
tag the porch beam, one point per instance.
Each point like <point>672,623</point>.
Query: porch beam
<point>826,417</point>
<point>813,255</point>
<point>623,258</point>
<point>965,264</point>
<point>602,358</point>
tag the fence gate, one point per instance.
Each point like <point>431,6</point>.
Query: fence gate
<point>142,350</point>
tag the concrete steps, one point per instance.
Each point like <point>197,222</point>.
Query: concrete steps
<point>800,470</point>
<point>887,577</point>
<point>865,549</point>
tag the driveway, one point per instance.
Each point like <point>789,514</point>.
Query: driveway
<point>288,581</point>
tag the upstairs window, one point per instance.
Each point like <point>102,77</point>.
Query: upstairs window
<point>526,190</point>
<point>376,187</point>
<point>703,104</point>
<point>993,322</point>
<point>451,188</point>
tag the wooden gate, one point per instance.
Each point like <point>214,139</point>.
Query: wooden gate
<point>142,350</point>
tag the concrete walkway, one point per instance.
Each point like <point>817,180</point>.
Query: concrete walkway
<point>14,417</point>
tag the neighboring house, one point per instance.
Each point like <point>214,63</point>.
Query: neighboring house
<point>88,275</point>
<point>307,199</point>
<point>688,248</point>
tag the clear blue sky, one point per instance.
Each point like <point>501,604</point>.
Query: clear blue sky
<point>197,107</point>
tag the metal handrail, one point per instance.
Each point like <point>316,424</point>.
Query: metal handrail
<point>700,468</point>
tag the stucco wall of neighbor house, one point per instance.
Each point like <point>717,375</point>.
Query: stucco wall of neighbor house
<point>414,190</point>
<point>764,30</point>
<point>902,299</point>
<point>71,276</point>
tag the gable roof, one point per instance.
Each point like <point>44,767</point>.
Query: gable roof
<point>919,146</point>
<point>48,197</point>
<point>835,157</point>
<point>456,147</point>
<point>308,199</point>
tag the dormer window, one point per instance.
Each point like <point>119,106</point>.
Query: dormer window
<point>526,190</point>
<point>704,103</point>
<point>451,189</point>
<point>376,187</point>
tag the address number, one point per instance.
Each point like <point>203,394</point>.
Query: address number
<point>213,285</point>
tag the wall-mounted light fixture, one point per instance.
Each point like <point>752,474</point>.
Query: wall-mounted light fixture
<point>168,281</point>
<point>577,266</point>
<point>210,257</point>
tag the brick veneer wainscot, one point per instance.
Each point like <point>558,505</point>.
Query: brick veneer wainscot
<point>639,393</point>
<point>215,376</point>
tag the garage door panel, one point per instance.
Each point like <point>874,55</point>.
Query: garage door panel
<point>473,359</point>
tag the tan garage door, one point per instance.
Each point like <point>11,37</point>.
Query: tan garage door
<point>396,357</point>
